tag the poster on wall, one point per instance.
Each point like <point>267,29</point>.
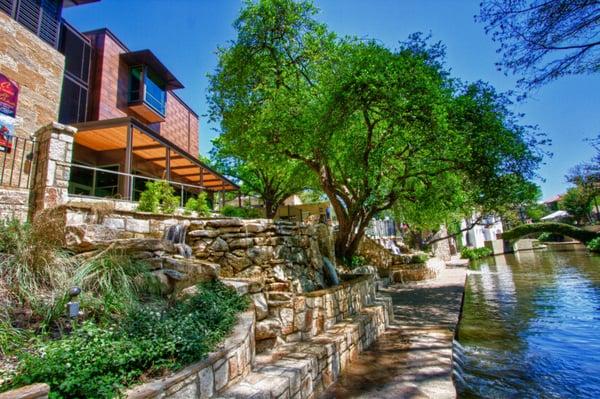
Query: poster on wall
<point>7,132</point>
<point>9,96</point>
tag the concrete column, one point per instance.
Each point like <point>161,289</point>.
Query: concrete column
<point>54,155</point>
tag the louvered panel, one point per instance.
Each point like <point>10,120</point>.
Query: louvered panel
<point>50,21</point>
<point>7,6</point>
<point>28,14</point>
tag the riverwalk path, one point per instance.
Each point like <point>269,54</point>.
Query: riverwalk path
<point>413,359</point>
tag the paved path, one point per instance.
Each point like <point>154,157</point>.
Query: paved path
<point>414,358</point>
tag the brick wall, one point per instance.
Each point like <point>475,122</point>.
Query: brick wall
<point>108,98</point>
<point>37,68</point>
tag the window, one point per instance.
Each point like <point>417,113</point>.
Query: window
<point>135,84</point>
<point>42,17</point>
<point>145,86</point>
<point>155,93</point>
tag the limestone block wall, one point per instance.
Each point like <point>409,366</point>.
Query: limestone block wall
<point>14,203</point>
<point>38,70</point>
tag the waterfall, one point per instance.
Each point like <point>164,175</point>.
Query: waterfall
<point>458,362</point>
<point>175,234</point>
<point>331,276</point>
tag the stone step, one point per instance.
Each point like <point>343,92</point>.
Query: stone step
<point>305,369</point>
<point>279,296</point>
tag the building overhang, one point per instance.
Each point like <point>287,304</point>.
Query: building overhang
<point>148,146</point>
<point>72,3</point>
<point>147,57</point>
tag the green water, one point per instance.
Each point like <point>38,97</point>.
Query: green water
<point>530,327</point>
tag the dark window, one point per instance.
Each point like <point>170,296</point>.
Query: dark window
<point>74,98</point>
<point>73,102</point>
<point>135,84</point>
<point>42,17</point>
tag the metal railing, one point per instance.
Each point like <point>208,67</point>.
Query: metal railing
<point>17,162</point>
<point>129,194</point>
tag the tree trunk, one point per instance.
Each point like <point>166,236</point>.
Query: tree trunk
<point>270,208</point>
<point>351,231</point>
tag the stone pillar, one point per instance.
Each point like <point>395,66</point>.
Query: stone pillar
<point>54,154</point>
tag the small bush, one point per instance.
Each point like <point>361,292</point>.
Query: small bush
<point>358,261</point>
<point>159,197</point>
<point>199,205</point>
<point>419,258</point>
<point>594,245</point>
<point>475,253</point>
<point>245,213</point>
<point>100,362</point>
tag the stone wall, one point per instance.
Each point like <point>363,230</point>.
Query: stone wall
<point>14,203</point>
<point>38,70</point>
<point>35,391</point>
<point>383,259</point>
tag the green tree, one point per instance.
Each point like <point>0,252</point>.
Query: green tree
<point>272,178</point>
<point>578,203</point>
<point>374,125</point>
<point>544,39</point>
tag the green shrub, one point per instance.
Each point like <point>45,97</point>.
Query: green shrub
<point>245,213</point>
<point>594,245</point>
<point>98,362</point>
<point>199,205</point>
<point>475,253</point>
<point>158,197</point>
<point>358,261</point>
<point>419,258</point>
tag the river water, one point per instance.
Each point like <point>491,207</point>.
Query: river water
<point>530,327</point>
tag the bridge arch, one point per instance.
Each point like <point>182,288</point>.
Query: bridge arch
<point>576,233</point>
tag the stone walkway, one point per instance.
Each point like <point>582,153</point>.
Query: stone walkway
<point>414,358</point>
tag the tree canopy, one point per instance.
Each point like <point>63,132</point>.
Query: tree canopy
<point>374,125</point>
<point>544,39</point>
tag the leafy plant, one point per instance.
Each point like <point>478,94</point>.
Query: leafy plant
<point>358,261</point>
<point>475,253</point>
<point>594,245</point>
<point>96,361</point>
<point>419,258</point>
<point>246,213</point>
<point>158,197</point>
<point>198,204</point>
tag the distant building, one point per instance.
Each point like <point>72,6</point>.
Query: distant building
<point>486,229</point>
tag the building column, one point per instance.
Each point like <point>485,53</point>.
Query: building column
<point>53,170</point>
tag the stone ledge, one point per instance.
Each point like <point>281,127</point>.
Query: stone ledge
<point>305,369</point>
<point>35,391</point>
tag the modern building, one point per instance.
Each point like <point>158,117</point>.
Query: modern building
<point>132,127</point>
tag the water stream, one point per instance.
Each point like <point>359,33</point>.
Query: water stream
<point>530,327</point>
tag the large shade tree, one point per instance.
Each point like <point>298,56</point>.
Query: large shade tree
<point>374,125</point>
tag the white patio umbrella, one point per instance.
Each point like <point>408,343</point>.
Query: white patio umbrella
<point>556,215</point>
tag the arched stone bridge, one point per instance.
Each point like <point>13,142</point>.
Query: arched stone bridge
<point>575,233</point>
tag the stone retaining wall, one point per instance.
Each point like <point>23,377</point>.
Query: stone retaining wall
<point>213,375</point>
<point>14,203</point>
<point>383,259</point>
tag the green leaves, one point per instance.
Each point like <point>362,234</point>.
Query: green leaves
<point>99,361</point>
<point>374,125</point>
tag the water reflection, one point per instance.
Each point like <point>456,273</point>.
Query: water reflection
<point>530,327</point>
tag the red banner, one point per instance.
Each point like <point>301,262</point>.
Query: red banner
<point>9,96</point>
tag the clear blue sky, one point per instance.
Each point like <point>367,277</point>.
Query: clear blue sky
<point>185,33</point>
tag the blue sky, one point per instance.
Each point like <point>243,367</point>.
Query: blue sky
<point>185,34</point>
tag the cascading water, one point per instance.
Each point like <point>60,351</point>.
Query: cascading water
<point>330,272</point>
<point>458,362</point>
<point>175,234</point>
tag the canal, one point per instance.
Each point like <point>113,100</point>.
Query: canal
<point>530,327</point>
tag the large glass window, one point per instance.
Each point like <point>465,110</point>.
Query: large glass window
<point>155,93</point>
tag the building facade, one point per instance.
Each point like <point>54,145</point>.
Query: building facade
<point>131,125</point>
